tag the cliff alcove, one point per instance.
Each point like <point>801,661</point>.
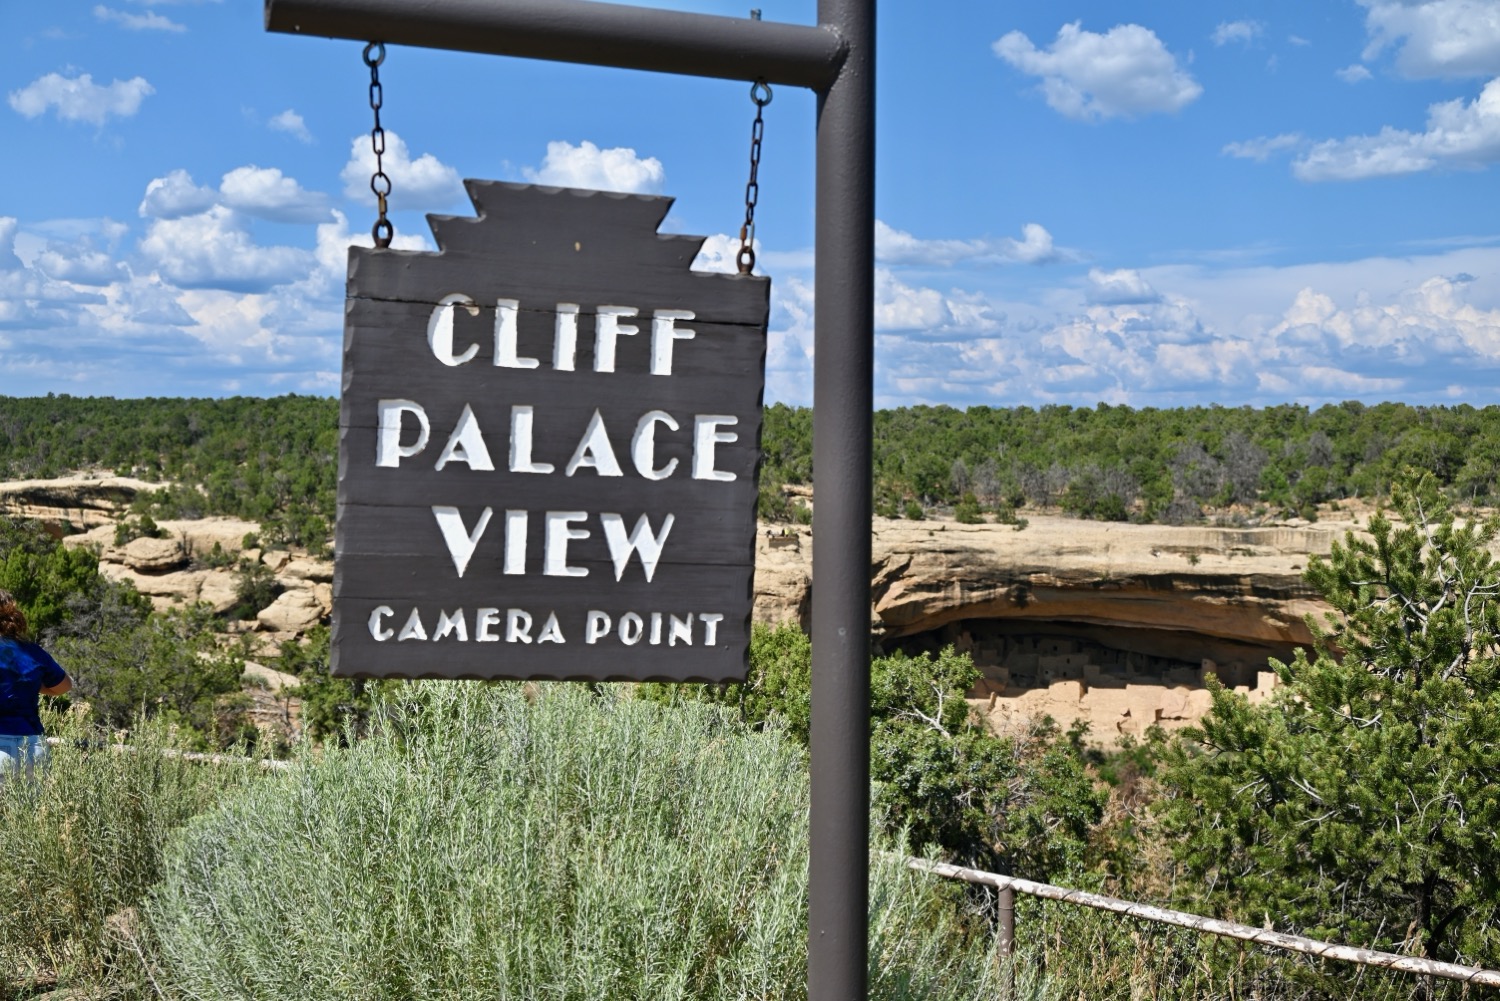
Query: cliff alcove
<point>1115,624</point>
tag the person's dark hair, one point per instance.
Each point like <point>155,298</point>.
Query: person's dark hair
<point>12,619</point>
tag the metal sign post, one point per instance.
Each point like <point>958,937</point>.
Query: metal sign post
<point>836,60</point>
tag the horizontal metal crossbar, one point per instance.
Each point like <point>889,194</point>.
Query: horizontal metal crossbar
<point>265,764</point>
<point>581,31</point>
<point>1213,926</point>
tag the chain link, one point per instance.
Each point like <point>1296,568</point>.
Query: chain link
<point>380,182</point>
<point>760,93</point>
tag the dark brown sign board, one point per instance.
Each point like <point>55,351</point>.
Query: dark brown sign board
<point>549,444</point>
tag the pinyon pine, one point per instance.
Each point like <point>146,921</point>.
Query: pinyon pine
<point>1360,803</point>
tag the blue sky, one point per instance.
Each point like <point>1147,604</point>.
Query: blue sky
<point>1155,204</point>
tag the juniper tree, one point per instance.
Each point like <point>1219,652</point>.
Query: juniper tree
<point>1361,802</point>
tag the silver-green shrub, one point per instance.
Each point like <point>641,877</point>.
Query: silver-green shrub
<point>80,845</point>
<point>543,842</point>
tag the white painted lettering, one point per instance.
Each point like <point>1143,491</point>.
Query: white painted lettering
<point>466,444</point>
<point>680,629</point>
<point>597,627</point>
<point>631,627</point>
<point>486,619</point>
<point>517,626</point>
<point>555,545</point>
<point>594,451</point>
<point>656,629</point>
<point>461,542</point>
<point>440,329</point>
<point>413,629</point>
<point>643,445</point>
<point>378,631</point>
<point>707,436</point>
<point>451,624</point>
<point>640,540</point>
<point>551,631</point>
<point>388,448</point>
<point>565,337</point>
<point>710,622</point>
<point>520,443</point>
<point>664,331</point>
<point>515,542</point>
<point>506,312</point>
<point>607,328</point>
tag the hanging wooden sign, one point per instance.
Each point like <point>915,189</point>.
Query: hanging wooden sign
<point>549,441</point>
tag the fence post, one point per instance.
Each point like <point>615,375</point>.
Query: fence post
<point>1006,905</point>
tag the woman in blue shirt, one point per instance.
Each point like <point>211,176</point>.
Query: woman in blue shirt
<point>26,672</point>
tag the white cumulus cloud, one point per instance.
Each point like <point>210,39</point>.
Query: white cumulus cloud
<point>291,123</point>
<point>1262,147</point>
<point>1123,73</point>
<point>425,183</point>
<point>927,311</point>
<point>265,192</point>
<point>1122,287</point>
<point>588,166</point>
<point>1458,134</point>
<point>1243,32</point>
<point>1436,38</point>
<point>214,250</point>
<point>79,98</point>
<point>81,266</point>
<point>174,196</point>
<point>895,246</point>
<point>1353,73</point>
<point>149,21</point>
<point>720,252</point>
<point>1424,325</point>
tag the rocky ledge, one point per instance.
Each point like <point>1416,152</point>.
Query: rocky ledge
<point>84,500</point>
<point>171,571</point>
<point>1116,624</point>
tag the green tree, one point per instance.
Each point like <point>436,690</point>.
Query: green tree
<point>1021,804</point>
<point>967,511</point>
<point>1361,801</point>
<point>60,589</point>
<point>333,709</point>
<point>171,665</point>
<point>255,587</point>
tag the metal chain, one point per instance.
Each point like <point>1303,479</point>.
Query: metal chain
<point>380,182</point>
<point>760,93</point>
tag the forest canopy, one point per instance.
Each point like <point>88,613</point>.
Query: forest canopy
<point>275,460</point>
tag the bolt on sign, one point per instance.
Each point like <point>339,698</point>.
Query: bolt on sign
<point>549,441</point>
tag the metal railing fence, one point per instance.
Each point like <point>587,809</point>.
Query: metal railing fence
<point>1212,926</point>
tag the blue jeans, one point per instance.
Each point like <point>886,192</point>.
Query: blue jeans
<point>21,753</point>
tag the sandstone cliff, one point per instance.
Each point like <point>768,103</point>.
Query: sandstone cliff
<point>85,500</point>
<point>1116,624</point>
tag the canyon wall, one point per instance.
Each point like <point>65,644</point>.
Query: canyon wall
<point>1115,624</point>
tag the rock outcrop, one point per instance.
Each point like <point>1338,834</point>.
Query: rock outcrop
<point>153,556</point>
<point>170,570</point>
<point>1116,624</point>
<point>85,500</point>
<point>293,612</point>
<point>1242,584</point>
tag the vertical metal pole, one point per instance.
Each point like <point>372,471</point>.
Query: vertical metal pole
<point>1007,907</point>
<point>844,323</point>
<point>1007,944</point>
